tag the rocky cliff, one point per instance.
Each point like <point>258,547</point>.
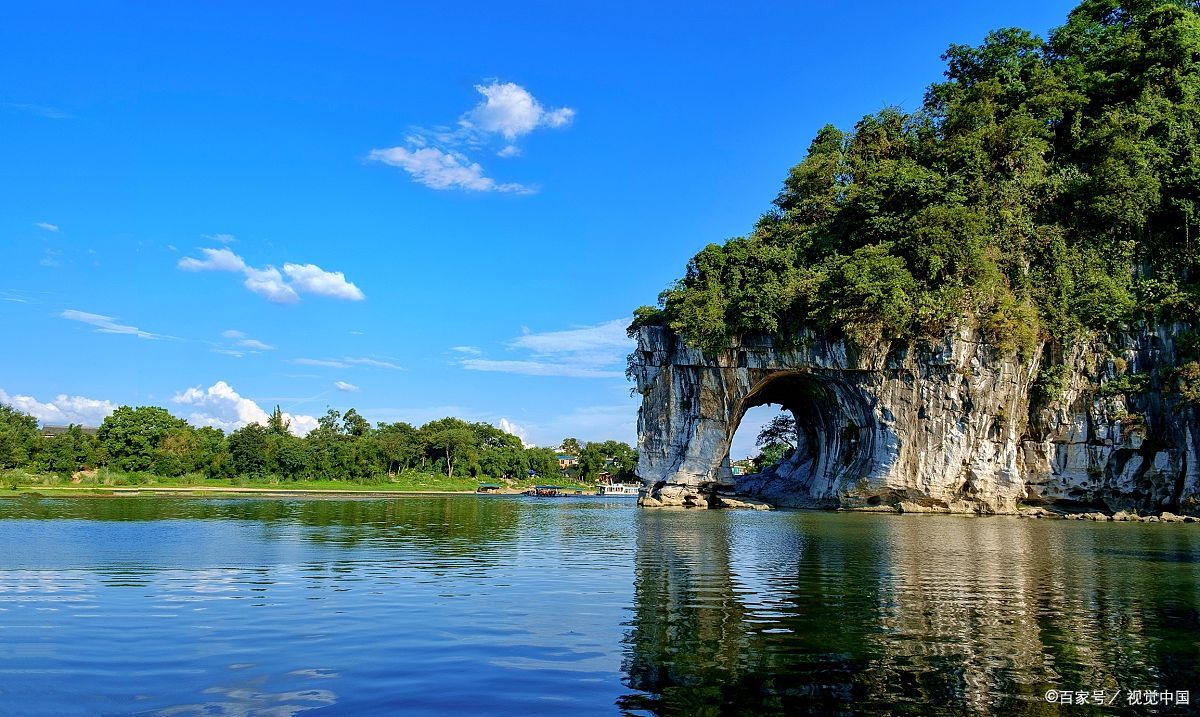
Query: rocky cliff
<point>948,426</point>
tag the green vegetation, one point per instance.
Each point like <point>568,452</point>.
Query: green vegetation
<point>1126,384</point>
<point>103,480</point>
<point>147,446</point>
<point>1044,190</point>
<point>775,440</point>
<point>612,457</point>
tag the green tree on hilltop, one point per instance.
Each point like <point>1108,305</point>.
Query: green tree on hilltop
<point>1045,189</point>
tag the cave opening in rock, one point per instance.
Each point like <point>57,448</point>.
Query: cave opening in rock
<point>831,440</point>
<point>762,439</point>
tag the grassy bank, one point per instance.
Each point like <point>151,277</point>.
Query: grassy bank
<point>105,480</point>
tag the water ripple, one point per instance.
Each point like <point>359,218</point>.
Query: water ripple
<point>580,606</point>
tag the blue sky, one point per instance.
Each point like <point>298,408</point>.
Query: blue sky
<point>415,210</point>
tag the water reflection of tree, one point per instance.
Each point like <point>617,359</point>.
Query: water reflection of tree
<point>814,613</point>
<point>687,635</point>
<point>451,525</point>
<point>713,634</point>
<point>467,529</point>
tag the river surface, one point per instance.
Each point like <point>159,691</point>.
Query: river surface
<point>580,606</point>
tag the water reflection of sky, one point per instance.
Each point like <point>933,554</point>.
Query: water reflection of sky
<point>224,607</point>
<point>581,606</point>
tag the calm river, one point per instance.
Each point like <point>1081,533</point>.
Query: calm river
<point>580,606</point>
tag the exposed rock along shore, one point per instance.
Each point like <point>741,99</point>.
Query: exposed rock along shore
<point>939,427</point>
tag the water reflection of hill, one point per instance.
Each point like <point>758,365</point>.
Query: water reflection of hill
<point>815,613</point>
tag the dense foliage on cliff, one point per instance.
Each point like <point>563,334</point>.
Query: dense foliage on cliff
<point>1044,188</point>
<point>345,446</point>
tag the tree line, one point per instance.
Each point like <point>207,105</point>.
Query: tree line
<point>343,446</point>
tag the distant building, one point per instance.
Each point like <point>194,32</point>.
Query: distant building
<point>742,467</point>
<point>488,488</point>
<point>52,431</point>
<point>566,460</point>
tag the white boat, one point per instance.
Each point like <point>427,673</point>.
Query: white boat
<point>619,489</point>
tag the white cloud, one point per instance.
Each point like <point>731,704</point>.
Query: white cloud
<point>517,430</point>
<point>269,283</point>
<point>538,368</point>
<point>107,324</point>
<point>313,279</point>
<point>51,258</point>
<point>346,362</point>
<point>63,409</point>
<point>471,350</point>
<point>222,407</point>
<point>241,344</point>
<point>346,387</point>
<point>443,170</point>
<point>589,352</point>
<point>301,425</point>
<point>376,363</point>
<point>220,238</point>
<point>47,226</point>
<point>327,363</point>
<point>511,111</point>
<point>560,117</point>
<point>255,344</point>
<point>437,157</point>
<point>609,336</point>
<point>214,260</point>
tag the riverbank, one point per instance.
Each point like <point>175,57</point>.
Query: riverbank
<point>1120,516</point>
<point>109,482</point>
<point>200,491</point>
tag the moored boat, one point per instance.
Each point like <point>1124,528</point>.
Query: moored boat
<point>621,489</point>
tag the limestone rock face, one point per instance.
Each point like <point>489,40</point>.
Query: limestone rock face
<point>940,427</point>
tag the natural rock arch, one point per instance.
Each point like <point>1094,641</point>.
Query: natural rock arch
<point>837,437</point>
<point>929,427</point>
<point>693,404</point>
<point>940,426</point>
